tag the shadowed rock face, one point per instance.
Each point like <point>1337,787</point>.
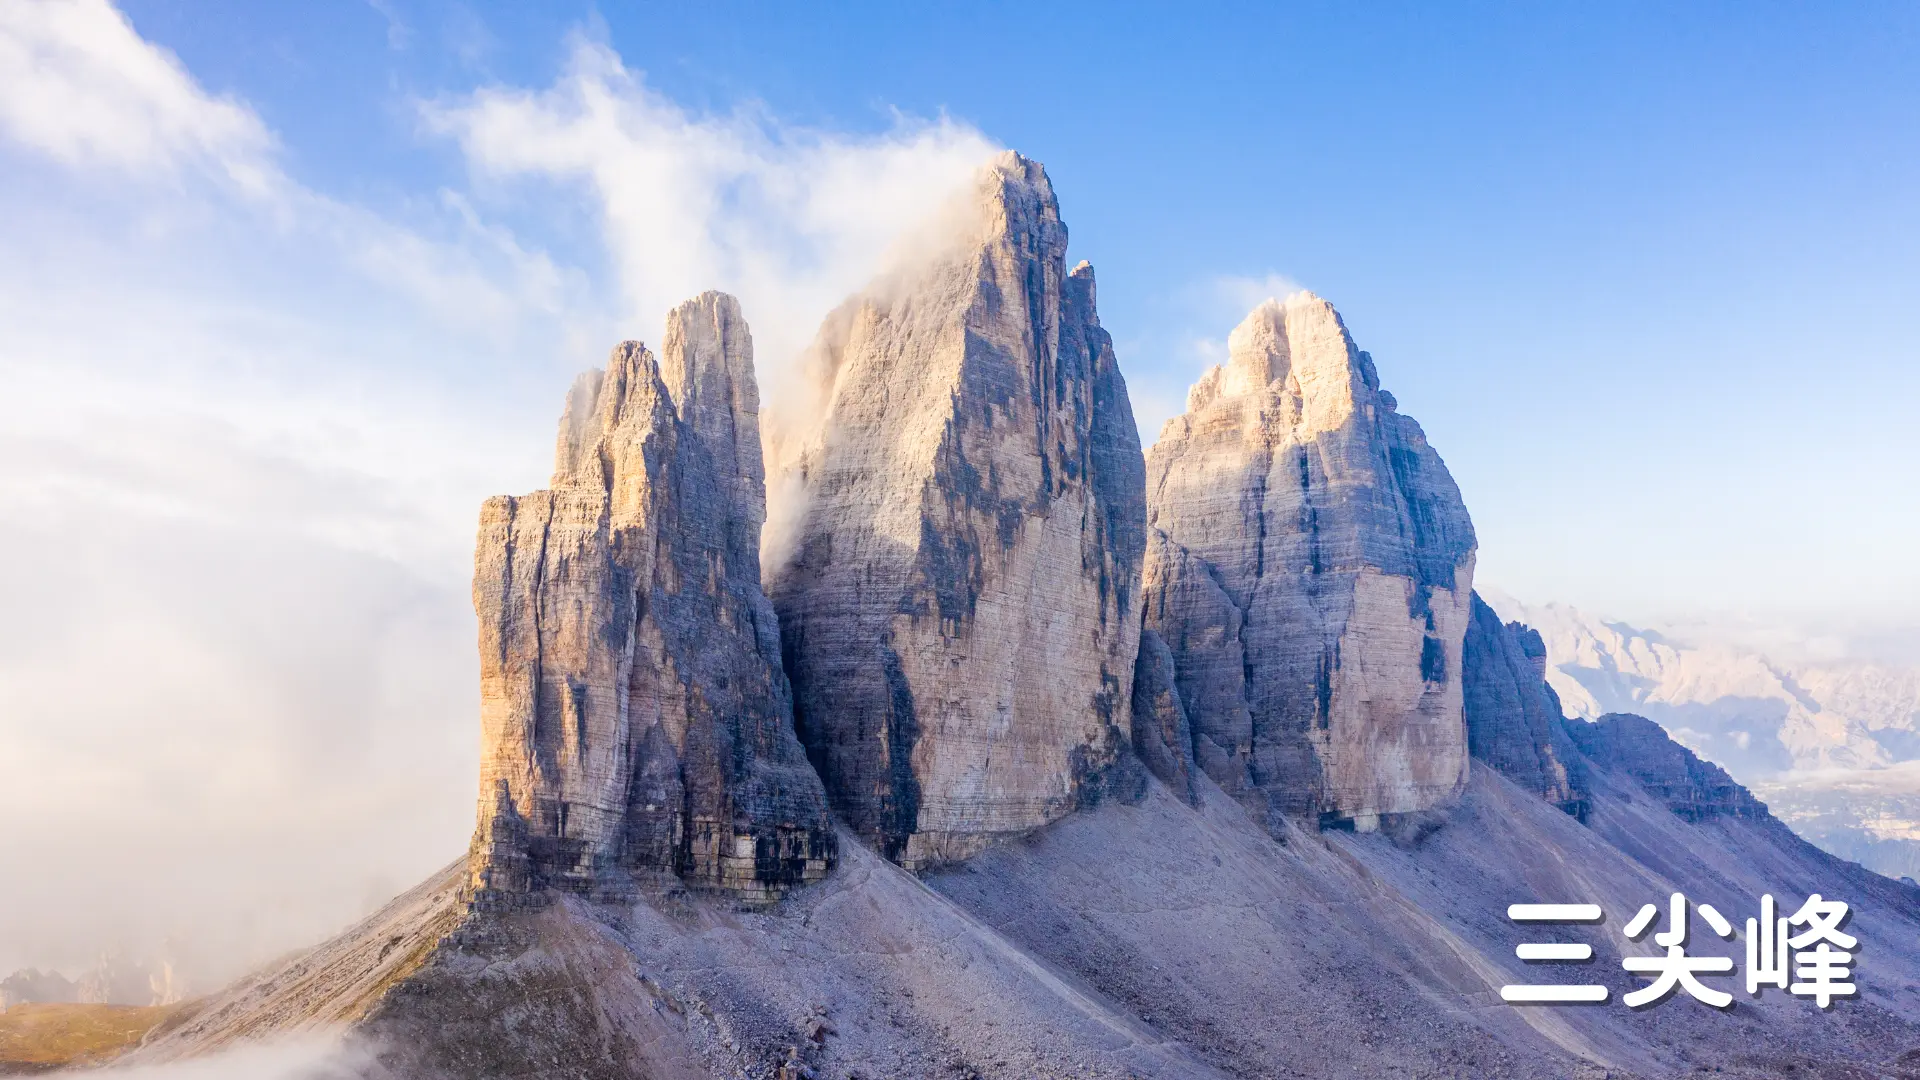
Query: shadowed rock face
<point>634,713</point>
<point>1513,716</point>
<point>1693,789</point>
<point>960,608</point>
<point>1162,736</point>
<point>1309,566</point>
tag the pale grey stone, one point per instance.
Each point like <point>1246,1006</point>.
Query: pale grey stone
<point>960,607</point>
<point>1161,735</point>
<point>635,715</point>
<point>1311,567</point>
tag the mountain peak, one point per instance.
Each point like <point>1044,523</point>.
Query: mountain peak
<point>959,606</point>
<point>1310,568</point>
<point>635,718</point>
<point>1292,359</point>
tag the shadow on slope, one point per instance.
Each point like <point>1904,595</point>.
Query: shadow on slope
<point>1340,954</point>
<point>1143,940</point>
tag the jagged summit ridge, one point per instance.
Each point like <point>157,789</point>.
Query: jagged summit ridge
<point>635,716</point>
<point>959,608</point>
<point>1309,566</point>
<point>975,512</point>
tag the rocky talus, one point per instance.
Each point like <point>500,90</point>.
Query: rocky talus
<point>1513,717</point>
<point>1157,939</point>
<point>1310,566</point>
<point>960,606</point>
<point>635,717</point>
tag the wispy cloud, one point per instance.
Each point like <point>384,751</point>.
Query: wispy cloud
<point>790,219</point>
<point>308,1059</point>
<point>78,83</point>
<point>399,34</point>
<point>1242,293</point>
<point>247,424</point>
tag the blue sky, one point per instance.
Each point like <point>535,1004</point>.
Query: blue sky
<point>1643,272</point>
<point>291,287</point>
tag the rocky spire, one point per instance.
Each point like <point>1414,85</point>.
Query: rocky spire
<point>634,713</point>
<point>960,607</point>
<point>1309,566</point>
<point>706,360</point>
<point>1513,716</point>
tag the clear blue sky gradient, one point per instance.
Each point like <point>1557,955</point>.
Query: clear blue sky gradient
<point>1645,272</point>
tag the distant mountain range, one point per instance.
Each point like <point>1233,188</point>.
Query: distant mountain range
<point>1832,746</point>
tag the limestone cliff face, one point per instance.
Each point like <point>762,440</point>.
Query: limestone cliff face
<point>960,607</point>
<point>634,713</point>
<point>1513,716</point>
<point>1310,565</point>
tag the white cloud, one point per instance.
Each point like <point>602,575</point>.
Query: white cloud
<point>1238,294</point>
<point>78,83</point>
<point>80,86</point>
<point>791,220</point>
<point>246,426</point>
<point>297,1059</point>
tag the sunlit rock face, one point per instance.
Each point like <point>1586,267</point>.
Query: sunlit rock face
<point>1310,565</point>
<point>1513,716</point>
<point>635,717</point>
<point>960,600</point>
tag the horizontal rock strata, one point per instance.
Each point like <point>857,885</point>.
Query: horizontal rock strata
<point>635,716</point>
<point>959,607</point>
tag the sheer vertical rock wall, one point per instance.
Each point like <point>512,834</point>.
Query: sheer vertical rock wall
<point>1162,736</point>
<point>635,716</point>
<point>1309,567</point>
<point>1513,716</point>
<point>960,607</point>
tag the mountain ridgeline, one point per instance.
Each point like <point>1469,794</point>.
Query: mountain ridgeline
<point>1032,754</point>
